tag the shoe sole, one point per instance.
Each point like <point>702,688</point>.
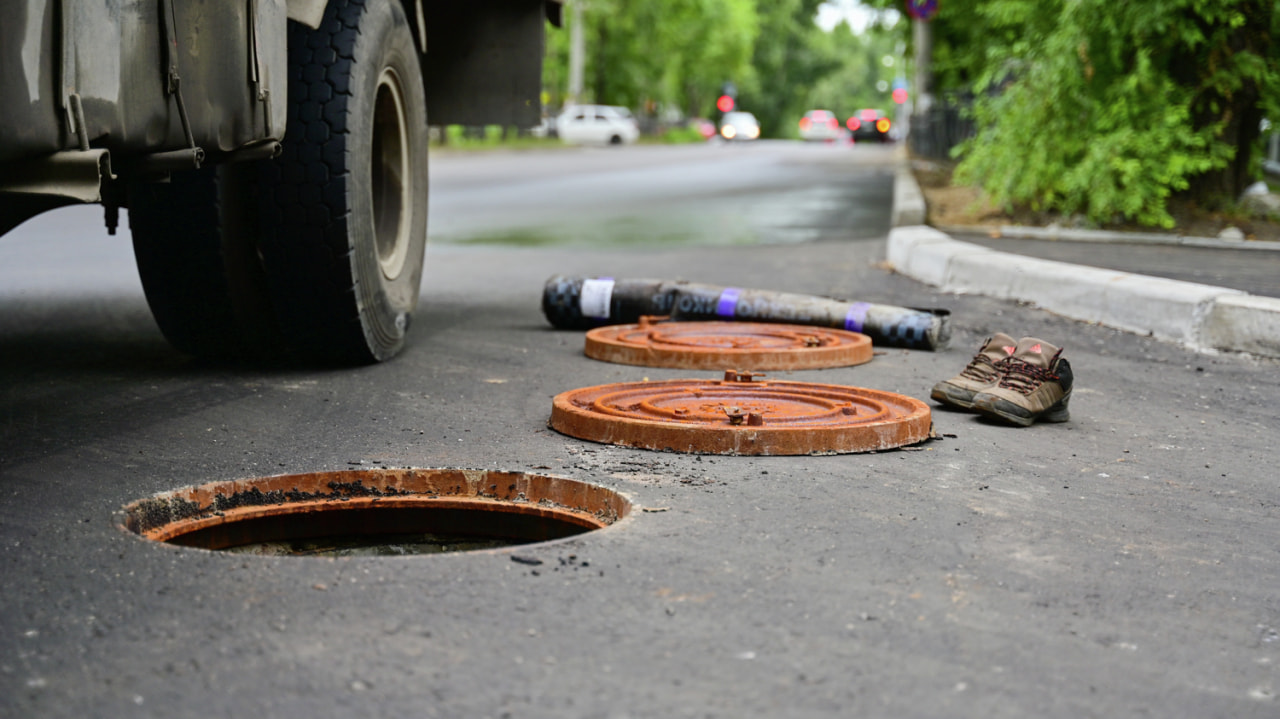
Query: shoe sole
<point>953,397</point>
<point>996,408</point>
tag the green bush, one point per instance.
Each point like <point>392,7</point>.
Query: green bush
<point>682,136</point>
<point>1107,109</point>
<point>459,138</point>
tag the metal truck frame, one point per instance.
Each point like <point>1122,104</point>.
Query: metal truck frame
<point>272,154</point>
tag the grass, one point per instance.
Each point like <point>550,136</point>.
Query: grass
<point>490,138</point>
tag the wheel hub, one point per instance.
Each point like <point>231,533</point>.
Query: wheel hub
<point>392,177</point>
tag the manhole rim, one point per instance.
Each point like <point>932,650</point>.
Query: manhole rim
<point>628,502</point>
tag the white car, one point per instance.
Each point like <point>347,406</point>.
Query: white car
<point>820,126</point>
<point>738,126</point>
<point>597,125</point>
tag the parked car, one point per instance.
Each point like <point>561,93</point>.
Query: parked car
<point>869,126</point>
<point>546,127</point>
<point>820,126</point>
<point>597,125</point>
<point>705,127</point>
<point>739,126</point>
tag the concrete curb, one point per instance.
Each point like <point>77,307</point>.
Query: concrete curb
<point>1202,317</point>
<point>1244,323</point>
<point>908,200</point>
<point>1068,234</point>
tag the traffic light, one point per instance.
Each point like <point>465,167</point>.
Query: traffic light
<point>899,95</point>
<point>728,97</point>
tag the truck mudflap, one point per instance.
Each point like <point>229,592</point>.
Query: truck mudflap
<point>137,79</point>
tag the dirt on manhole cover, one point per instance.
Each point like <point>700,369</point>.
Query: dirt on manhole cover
<point>376,512</point>
<point>727,345</point>
<point>741,415</point>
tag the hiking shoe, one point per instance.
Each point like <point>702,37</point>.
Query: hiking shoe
<point>1035,384</point>
<point>980,374</point>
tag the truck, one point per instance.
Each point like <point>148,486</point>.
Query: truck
<point>271,154</point>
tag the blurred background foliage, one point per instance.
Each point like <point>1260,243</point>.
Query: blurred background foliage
<point>671,59</point>
<point>1111,111</point>
<point>1102,109</point>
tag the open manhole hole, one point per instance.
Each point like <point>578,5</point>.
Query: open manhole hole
<point>376,512</point>
<point>725,345</point>
<point>738,415</point>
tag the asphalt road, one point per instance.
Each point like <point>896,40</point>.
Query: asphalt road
<point>1122,564</point>
<point>707,194</point>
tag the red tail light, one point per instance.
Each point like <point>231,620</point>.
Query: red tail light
<point>854,123</point>
<point>804,123</point>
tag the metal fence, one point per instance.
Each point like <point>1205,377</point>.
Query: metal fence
<point>937,130</point>
<point>1271,164</point>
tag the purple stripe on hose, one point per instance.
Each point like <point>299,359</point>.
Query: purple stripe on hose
<point>856,315</point>
<point>728,304</point>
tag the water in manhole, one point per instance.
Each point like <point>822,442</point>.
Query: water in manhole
<point>376,512</point>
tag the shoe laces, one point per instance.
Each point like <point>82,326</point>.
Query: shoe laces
<point>1024,377</point>
<point>980,368</point>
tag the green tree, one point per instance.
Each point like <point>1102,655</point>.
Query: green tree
<point>664,52</point>
<point>678,53</point>
<point>1110,109</point>
<point>853,84</point>
<point>791,55</point>
<point>712,41</point>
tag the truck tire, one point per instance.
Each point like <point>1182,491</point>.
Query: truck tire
<point>197,256</point>
<point>345,216</point>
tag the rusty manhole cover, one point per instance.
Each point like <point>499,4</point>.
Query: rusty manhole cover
<point>737,415</point>
<point>721,345</point>
<point>376,512</point>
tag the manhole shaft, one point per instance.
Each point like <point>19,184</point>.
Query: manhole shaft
<point>462,504</point>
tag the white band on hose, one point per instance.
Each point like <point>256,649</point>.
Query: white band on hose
<point>595,298</point>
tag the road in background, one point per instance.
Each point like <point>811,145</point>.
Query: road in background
<point>764,192</point>
<point>1121,564</point>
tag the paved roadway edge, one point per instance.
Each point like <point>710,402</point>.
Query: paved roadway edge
<point>1202,317</point>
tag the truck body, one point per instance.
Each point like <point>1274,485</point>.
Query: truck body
<point>105,101</point>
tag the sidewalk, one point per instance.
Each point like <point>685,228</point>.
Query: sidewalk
<point>1206,294</point>
<point>1252,267</point>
